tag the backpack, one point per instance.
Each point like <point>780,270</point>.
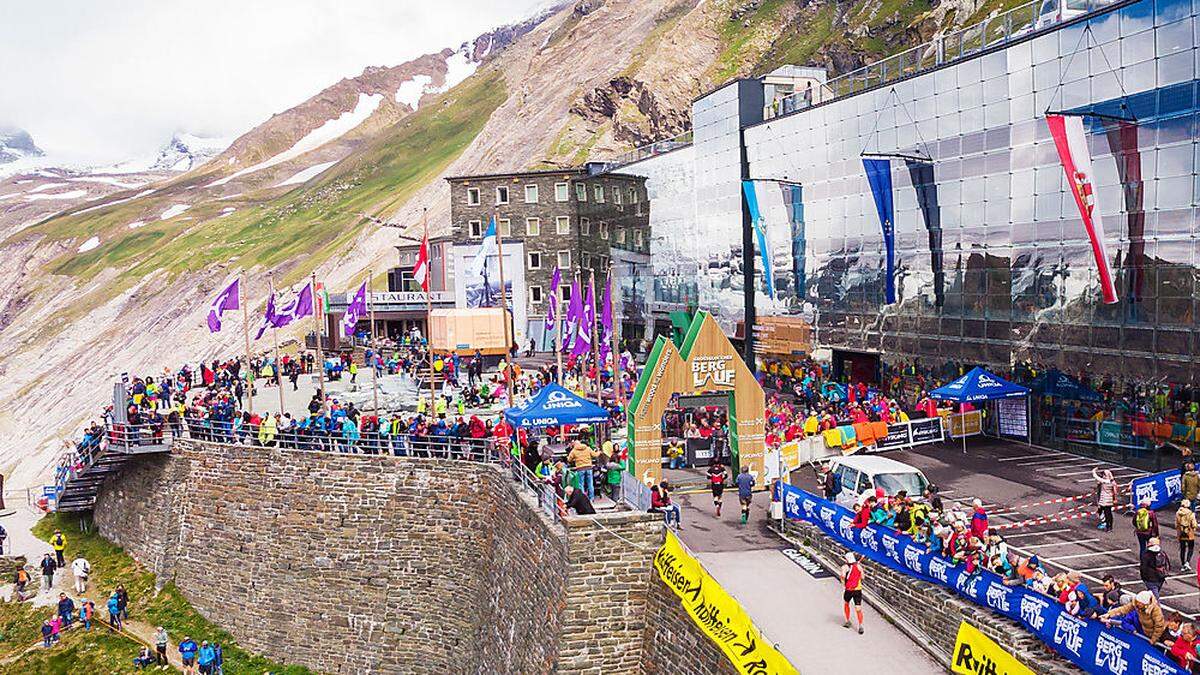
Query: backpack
<point>1141,521</point>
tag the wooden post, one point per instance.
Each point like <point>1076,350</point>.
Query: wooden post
<point>246,335</point>
<point>317,323</point>
<point>275,339</point>
<point>595,342</point>
<point>508,369</point>
<point>429,311</point>
<point>374,342</point>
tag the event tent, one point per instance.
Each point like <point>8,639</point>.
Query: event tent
<point>553,406</point>
<point>978,385</point>
<point>1058,384</point>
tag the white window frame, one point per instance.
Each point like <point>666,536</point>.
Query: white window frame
<point>561,264</point>
<point>536,229</point>
<point>564,291</point>
<point>507,194</point>
<point>620,235</point>
<point>536,297</point>
<point>633,196</point>
<point>585,227</point>
<point>599,194</point>
<point>617,195</point>
<point>562,192</point>
<point>532,187</point>
<point>638,239</point>
<point>504,227</point>
<point>530,260</point>
<point>581,192</point>
<point>473,197</point>
<point>604,231</point>
<point>475,229</point>
<point>586,260</point>
<point>562,224</point>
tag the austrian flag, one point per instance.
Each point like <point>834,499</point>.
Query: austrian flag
<point>1072,147</point>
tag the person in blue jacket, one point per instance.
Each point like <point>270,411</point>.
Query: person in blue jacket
<point>187,652</point>
<point>205,658</point>
<point>114,611</point>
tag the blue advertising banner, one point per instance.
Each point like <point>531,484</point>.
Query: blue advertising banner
<point>1160,489</point>
<point>879,175</point>
<point>1086,643</point>
<point>760,234</point>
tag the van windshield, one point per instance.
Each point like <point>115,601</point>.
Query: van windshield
<point>891,483</point>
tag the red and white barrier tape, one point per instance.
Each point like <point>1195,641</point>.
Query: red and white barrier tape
<point>1062,517</point>
<point>1060,500</point>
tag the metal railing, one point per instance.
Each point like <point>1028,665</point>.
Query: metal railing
<point>649,150</point>
<point>992,31</point>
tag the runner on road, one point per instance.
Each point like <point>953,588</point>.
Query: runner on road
<point>716,481</point>
<point>852,576</point>
<point>745,483</point>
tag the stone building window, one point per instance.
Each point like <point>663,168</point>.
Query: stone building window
<point>502,194</point>
<point>616,194</point>
<point>620,235</point>
<point>560,192</point>
<point>562,225</point>
<point>533,227</point>
<point>535,260</point>
<point>504,225</point>
<point>472,196</point>
<point>637,238</point>
<point>475,229</point>
<point>581,192</point>
<point>604,231</point>
<point>531,194</point>
<point>586,259</point>
<point>535,295</point>
<point>598,192</point>
<point>585,227</point>
<point>564,260</point>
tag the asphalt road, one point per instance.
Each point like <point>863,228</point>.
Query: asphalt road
<point>1015,481</point>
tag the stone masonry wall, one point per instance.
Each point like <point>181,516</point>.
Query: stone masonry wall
<point>672,642</point>
<point>932,611</point>
<point>340,552</point>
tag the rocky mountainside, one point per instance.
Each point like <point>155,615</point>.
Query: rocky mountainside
<point>185,152</point>
<point>16,144</point>
<point>122,283</point>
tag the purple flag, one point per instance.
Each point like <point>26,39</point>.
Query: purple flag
<point>355,311</point>
<point>268,317</point>
<point>289,309</point>
<point>552,312</point>
<point>574,317</point>
<point>606,321</point>
<point>226,300</point>
<point>583,340</point>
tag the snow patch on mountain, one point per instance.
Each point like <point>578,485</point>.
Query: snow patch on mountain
<point>185,152</point>
<point>72,194</point>
<point>136,224</point>
<point>410,91</point>
<point>458,68</point>
<point>16,144</point>
<point>310,172</point>
<point>330,130</point>
<point>47,186</point>
<point>174,210</point>
<point>89,244</point>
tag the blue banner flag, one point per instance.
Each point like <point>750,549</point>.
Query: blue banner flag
<point>1160,489</point>
<point>760,233</point>
<point>1085,642</point>
<point>879,175</point>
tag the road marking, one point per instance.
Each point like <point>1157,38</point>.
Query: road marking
<point>1110,567</point>
<point>1115,477</point>
<point>1035,534</point>
<point>1013,459</point>
<point>1182,576</point>
<point>1089,555</point>
<point>1061,543</point>
<point>1179,595</point>
<point>1049,460</point>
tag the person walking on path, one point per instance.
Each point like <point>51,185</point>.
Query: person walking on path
<point>187,652</point>
<point>160,646</point>
<point>1154,567</point>
<point>47,634</point>
<point>1189,483</point>
<point>66,609</point>
<point>716,481</point>
<point>1185,528</point>
<point>1106,497</point>
<point>87,609</point>
<point>81,568</point>
<point>745,484</point>
<point>122,602</point>
<point>48,566</point>
<point>114,612</point>
<point>59,543</point>
<point>852,576</point>
<point>1145,525</point>
<point>205,658</point>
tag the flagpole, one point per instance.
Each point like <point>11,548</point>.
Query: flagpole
<point>618,394</point>
<point>275,339</point>
<point>558,310</point>
<point>508,369</point>
<point>429,305</point>
<point>317,321</point>
<point>595,345</point>
<point>246,336</point>
<point>374,342</point>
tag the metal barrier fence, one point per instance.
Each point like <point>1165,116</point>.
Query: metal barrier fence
<point>634,492</point>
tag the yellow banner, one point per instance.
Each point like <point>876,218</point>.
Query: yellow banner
<point>966,424</point>
<point>717,614</point>
<point>976,653</point>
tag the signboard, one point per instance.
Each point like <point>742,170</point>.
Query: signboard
<point>966,424</point>
<point>976,653</point>
<point>806,563</point>
<point>1075,430</point>
<point>1117,435</point>
<point>928,430</point>
<point>782,335</point>
<point>1012,418</point>
<point>410,297</point>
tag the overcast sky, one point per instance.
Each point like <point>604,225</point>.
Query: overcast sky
<point>107,80</point>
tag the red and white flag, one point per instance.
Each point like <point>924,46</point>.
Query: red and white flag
<point>421,269</point>
<point>1071,142</point>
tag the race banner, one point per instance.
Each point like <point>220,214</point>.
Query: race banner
<point>879,177</point>
<point>921,175</point>
<point>1071,142</point>
<point>1160,489</point>
<point>718,615</point>
<point>1085,642</point>
<point>976,653</point>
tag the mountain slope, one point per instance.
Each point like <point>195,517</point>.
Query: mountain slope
<point>16,144</point>
<point>122,284</point>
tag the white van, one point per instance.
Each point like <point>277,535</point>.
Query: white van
<point>859,475</point>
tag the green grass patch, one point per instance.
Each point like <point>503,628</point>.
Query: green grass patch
<point>96,651</point>
<point>111,567</point>
<point>799,43</point>
<point>738,35</point>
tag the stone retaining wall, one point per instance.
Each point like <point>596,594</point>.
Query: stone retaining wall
<point>933,612</point>
<point>370,564</point>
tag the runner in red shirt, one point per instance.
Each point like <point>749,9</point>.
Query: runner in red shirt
<point>852,576</point>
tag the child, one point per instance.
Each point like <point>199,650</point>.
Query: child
<point>47,634</point>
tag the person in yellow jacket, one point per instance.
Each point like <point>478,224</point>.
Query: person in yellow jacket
<point>439,406</point>
<point>267,430</point>
<point>59,543</point>
<point>422,405</point>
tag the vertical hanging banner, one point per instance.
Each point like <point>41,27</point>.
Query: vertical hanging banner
<point>921,174</point>
<point>793,201</point>
<point>760,234</point>
<point>1071,142</point>
<point>717,613</point>
<point>879,175</point>
<point>1123,143</point>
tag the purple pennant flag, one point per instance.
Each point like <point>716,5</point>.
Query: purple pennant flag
<point>552,312</point>
<point>583,340</point>
<point>355,311</point>
<point>573,318</point>
<point>268,318</point>
<point>606,321</point>
<point>226,300</point>
<point>288,310</point>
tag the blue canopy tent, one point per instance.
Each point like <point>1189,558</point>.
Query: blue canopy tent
<point>555,406</point>
<point>1058,384</point>
<point>980,386</point>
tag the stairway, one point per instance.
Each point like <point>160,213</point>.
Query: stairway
<point>76,490</point>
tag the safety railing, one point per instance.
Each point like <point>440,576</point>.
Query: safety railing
<point>649,150</point>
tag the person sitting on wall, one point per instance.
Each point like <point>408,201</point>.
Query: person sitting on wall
<point>576,499</point>
<point>660,502</point>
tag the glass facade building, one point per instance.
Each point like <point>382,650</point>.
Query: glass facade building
<point>1018,281</point>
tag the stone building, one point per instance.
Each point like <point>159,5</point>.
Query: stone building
<point>566,218</point>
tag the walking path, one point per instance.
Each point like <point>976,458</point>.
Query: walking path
<point>802,615</point>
